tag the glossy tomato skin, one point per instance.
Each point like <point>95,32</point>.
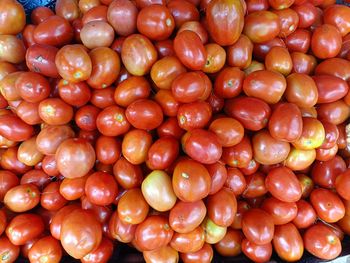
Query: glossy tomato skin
<point>120,230</point>
<point>225,29</point>
<point>122,16</point>
<point>18,232</point>
<point>40,87</point>
<point>46,247</point>
<point>138,48</point>
<point>188,242</point>
<point>330,88</point>
<point>127,174</point>
<point>306,215</point>
<point>299,40</point>
<point>327,205</point>
<point>190,50</point>
<point>202,146</point>
<point>240,53</point>
<point>14,129</point>
<point>261,26</point>
<point>342,183</point>
<point>194,115</point>
<point>135,146</point>
<point>153,233</point>
<point>162,153</point>
<point>334,112</point>
<point>238,155</point>
<point>326,41</point>
<point>191,181</point>
<point>283,184</point>
<point>288,243</point>
<point>101,254</point>
<point>14,15</point>
<point>266,85</point>
<point>306,97</point>
<point>22,197</point>
<point>259,231</point>
<point>101,188</point>
<point>61,35</point>
<point>282,212</point>
<point>182,11</point>
<point>229,131</point>
<point>242,107</point>
<point>164,254</point>
<point>8,250</point>
<point>107,149</point>
<point>80,237</point>
<point>229,82</point>
<point>321,242</point>
<point>184,217</point>
<point>257,253</point>
<point>112,121</point>
<point>51,199</point>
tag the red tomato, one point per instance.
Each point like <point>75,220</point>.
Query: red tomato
<point>282,212</point>
<point>257,253</point>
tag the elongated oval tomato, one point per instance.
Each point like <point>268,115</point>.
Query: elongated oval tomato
<point>225,20</point>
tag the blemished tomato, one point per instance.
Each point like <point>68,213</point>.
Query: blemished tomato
<point>259,231</point>
<point>120,230</point>
<point>191,181</point>
<point>8,250</point>
<point>213,232</point>
<point>81,233</point>
<point>22,197</point>
<point>321,242</point>
<point>288,243</point>
<point>327,205</point>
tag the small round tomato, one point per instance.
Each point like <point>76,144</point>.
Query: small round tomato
<point>73,189</point>
<point>228,130</point>
<point>112,121</point>
<point>107,149</point>
<point>14,15</point>
<point>327,204</point>
<point>101,188</point>
<point>194,115</point>
<point>240,53</point>
<point>51,199</point>
<point>135,146</point>
<point>188,242</point>
<point>238,155</point>
<point>321,242</point>
<point>122,16</point>
<point>162,153</point>
<point>326,41</point>
<point>12,49</point>
<point>22,197</point>
<point>259,231</point>
<point>46,248</point>
<point>299,40</point>
<point>282,212</point>
<point>216,58</point>
<point>257,253</point>
<point>97,34</point>
<point>229,82</point>
<point>127,174</point>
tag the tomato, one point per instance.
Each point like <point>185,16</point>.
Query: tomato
<point>337,15</point>
<point>307,185</point>
<point>107,149</point>
<point>164,254</point>
<point>326,41</point>
<point>130,90</point>
<point>9,180</point>
<point>14,15</point>
<point>213,232</point>
<point>69,10</point>
<point>321,242</point>
<point>72,189</point>
<point>306,215</point>
<point>127,175</point>
<point>153,233</point>
<point>260,50</point>
<point>138,54</point>
<point>18,232</point>
<point>202,146</point>
<point>14,129</point>
<point>196,27</point>
<point>282,212</point>
<point>132,207</point>
<point>61,35</point>
<point>307,13</point>
<point>268,150</point>
<point>50,137</point>
<point>8,251</point>
<point>184,217</point>
<point>334,112</point>
<point>341,184</point>
<point>13,49</point>
<point>22,198</point>
<point>285,188</point>
<point>252,117</point>
<point>330,88</point>
<point>235,181</point>
<point>162,153</point>
<point>122,16</point>
<point>205,255</point>
<point>194,115</point>
<point>299,40</point>
<point>41,59</point>
<point>239,155</point>
<point>225,29</point>
<point>312,136</point>
<point>182,11</point>
<point>97,34</point>
<point>79,158</point>
<point>101,254</point>
<point>257,253</point>
<point>46,248</point>
<point>288,243</point>
<point>305,97</point>
<point>51,199</point>
<point>261,26</point>
<point>258,231</point>
<point>191,181</point>
<point>135,146</point>
<point>298,160</point>
<point>80,237</point>
<point>188,242</point>
<point>327,204</point>
<point>303,63</point>
<point>240,53</point>
<point>285,123</point>
<point>337,67</point>
<point>120,230</point>
<point>101,188</point>
<point>105,67</point>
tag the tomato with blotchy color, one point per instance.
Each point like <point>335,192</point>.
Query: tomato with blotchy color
<point>213,232</point>
<point>22,197</point>
<point>191,181</point>
<point>8,250</point>
<point>327,205</point>
<point>298,160</point>
<point>258,231</point>
<point>153,233</point>
<point>312,136</point>
<point>81,233</point>
<point>322,242</point>
<point>138,54</point>
<point>288,243</point>
<point>135,146</point>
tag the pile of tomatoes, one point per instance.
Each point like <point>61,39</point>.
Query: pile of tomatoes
<point>180,127</point>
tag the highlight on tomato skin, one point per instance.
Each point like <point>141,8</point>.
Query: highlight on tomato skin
<point>184,129</point>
